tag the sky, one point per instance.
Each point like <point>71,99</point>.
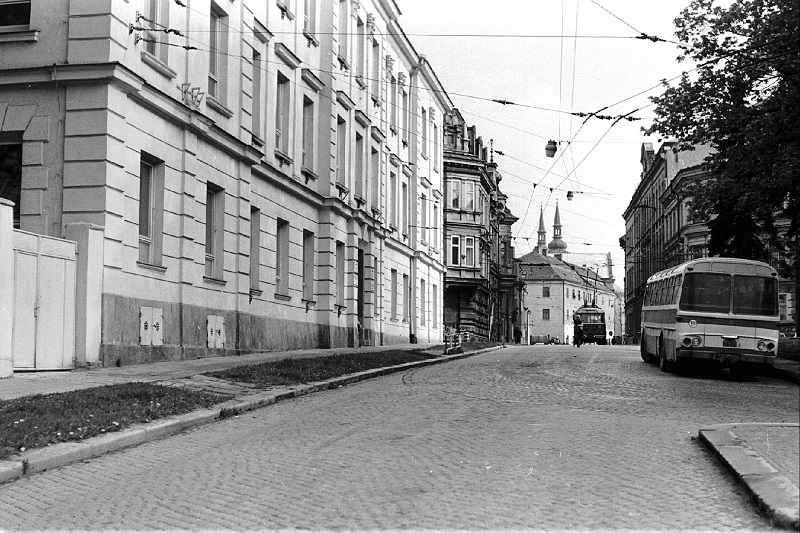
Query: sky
<point>552,58</point>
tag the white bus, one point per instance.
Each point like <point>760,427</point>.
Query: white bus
<point>718,309</point>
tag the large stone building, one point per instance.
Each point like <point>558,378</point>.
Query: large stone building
<point>244,175</point>
<point>481,294</point>
<point>660,234</point>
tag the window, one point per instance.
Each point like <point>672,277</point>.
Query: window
<point>455,250</point>
<point>394,295</point>
<point>423,215</point>
<point>218,50</point>
<point>11,172</point>
<point>215,230</point>
<point>469,251</point>
<point>361,43</point>
<point>344,35</point>
<point>341,151</point>
<point>469,195</point>
<point>154,20</point>
<point>375,168</point>
<point>435,226</point>
<point>282,111</point>
<point>308,265</point>
<point>151,210</point>
<point>308,134</point>
<point>406,299</point>
<point>455,193</point>
<point>435,306</point>
<point>15,14</point>
<point>282,258</point>
<point>404,212</point>
<point>545,292</point>
<point>424,115</point>
<point>340,266</point>
<point>376,72</point>
<point>404,110</point>
<point>755,296</point>
<point>422,301</point>
<point>391,198</point>
<point>255,249</point>
<point>545,314</point>
<point>706,292</point>
<point>436,146</point>
<point>257,104</point>
<point>310,16</point>
<point>359,164</point>
<point>393,104</point>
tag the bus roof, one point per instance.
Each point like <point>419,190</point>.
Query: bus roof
<point>729,265</point>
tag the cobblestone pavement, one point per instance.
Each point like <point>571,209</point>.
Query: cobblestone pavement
<point>542,438</point>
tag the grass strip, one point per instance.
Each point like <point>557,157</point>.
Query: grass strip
<point>292,371</point>
<point>45,419</point>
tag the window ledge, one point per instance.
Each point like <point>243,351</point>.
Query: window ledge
<point>312,41</point>
<point>283,158</point>
<point>285,11</point>
<point>158,65</point>
<point>148,266</point>
<point>215,281</point>
<point>343,63</point>
<point>283,297</point>
<point>257,141</point>
<point>360,81</point>
<point>308,174</point>
<point>216,105</point>
<point>17,36</point>
<point>343,190</point>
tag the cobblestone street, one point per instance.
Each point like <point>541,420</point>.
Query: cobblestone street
<point>530,437</point>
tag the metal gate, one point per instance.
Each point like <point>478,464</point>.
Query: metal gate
<point>43,334</point>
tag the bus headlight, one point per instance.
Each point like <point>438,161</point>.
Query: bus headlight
<point>761,345</point>
<point>686,342</point>
<point>770,346</point>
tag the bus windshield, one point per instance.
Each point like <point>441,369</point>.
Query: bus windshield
<point>712,293</point>
<point>591,318</point>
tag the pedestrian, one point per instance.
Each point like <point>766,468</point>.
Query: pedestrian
<point>577,324</point>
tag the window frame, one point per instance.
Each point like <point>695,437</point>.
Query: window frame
<point>215,231</point>
<point>151,242</point>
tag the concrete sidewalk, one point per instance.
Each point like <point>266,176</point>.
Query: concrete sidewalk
<point>765,458</point>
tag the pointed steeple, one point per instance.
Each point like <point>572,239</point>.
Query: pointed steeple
<point>557,245</point>
<point>541,244</point>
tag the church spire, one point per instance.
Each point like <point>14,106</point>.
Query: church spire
<point>557,245</point>
<point>541,244</point>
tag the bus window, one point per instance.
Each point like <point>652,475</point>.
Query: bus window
<point>709,293</point>
<point>755,296</point>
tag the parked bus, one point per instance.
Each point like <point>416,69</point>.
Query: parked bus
<point>717,309</point>
<point>593,323</point>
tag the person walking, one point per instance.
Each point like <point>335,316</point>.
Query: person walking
<point>577,333</point>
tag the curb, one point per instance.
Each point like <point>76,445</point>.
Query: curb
<point>774,493</point>
<point>62,454</point>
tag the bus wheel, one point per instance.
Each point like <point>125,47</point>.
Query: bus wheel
<point>646,357</point>
<point>663,364</point>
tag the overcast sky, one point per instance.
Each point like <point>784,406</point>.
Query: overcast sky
<point>544,72</point>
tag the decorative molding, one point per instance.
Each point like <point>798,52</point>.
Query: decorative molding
<point>285,11</point>
<point>312,41</point>
<point>283,158</point>
<point>308,174</point>
<point>361,83</point>
<point>389,62</point>
<point>378,134</point>
<point>343,190</point>
<point>362,118</point>
<point>396,161</point>
<point>191,96</point>
<point>287,56</point>
<point>437,194</point>
<point>425,181</point>
<point>312,80</point>
<point>401,78</point>
<point>407,170</point>
<point>432,113</point>
<point>30,36</point>
<point>218,106</point>
<point>343,63</point>
<point>356,5</point>
<point>344,100</point>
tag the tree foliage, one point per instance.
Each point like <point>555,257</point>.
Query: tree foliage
<point>742,100</point>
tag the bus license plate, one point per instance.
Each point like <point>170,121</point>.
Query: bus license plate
<point>729,343</point>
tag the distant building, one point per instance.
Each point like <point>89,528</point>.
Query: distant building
<point>659,233</point>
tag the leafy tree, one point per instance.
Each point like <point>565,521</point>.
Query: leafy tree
<point>742,100</point>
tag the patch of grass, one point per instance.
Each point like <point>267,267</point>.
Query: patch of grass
<point>41,420</point>
<point>789,348</point>
<point>292,371</point>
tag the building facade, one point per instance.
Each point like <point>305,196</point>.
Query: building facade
<point>479,256</point>
<point>660,234</point>
<point>264,175</point>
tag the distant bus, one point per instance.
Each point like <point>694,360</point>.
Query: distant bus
<point>717,309</point>
<point>594,323</point>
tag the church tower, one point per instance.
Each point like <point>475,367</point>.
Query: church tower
<point>557,245</point>
<point>541,245</point>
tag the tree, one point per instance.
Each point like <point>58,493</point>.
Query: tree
<point>742,100</point>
